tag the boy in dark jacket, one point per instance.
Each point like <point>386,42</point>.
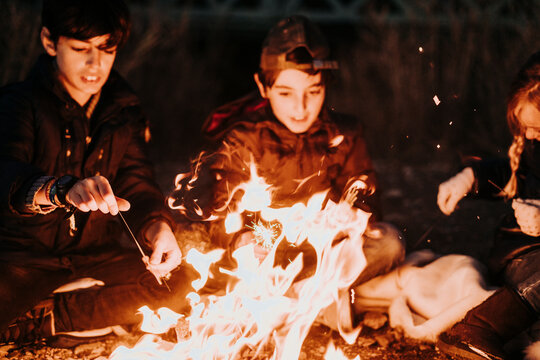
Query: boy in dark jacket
<point>298,145</point>
<point>72,156</point>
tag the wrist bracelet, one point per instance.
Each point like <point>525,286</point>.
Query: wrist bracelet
<point>61,187</point>
<point>52,194</point>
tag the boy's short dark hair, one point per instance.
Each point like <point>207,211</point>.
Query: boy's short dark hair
<point>294,43</point>
<point>85,19</point>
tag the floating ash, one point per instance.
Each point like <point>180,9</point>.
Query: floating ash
<point>266,308</point>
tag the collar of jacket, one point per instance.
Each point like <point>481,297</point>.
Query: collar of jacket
<point>253,110</point>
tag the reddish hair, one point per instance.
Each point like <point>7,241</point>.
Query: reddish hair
<point>524,89</point>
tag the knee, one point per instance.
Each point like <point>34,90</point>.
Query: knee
<point>173,292</point>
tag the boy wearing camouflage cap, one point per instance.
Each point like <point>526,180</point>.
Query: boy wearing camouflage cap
<point>299,145</point>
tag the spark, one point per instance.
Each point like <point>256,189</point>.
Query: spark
<point>438,146</point>
<point>420,50</point>
<point>436,100</point>
<point>450,123</point>
<point>265,235</point>
<point>336,141</point>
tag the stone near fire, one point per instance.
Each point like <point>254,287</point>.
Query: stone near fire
<point>91,350</point>
<point>375,319</point>
<point>365,341</point>
<point>384,340</point>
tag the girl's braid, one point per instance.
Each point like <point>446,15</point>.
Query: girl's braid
<point>525,89</point>
<point>514,152</point>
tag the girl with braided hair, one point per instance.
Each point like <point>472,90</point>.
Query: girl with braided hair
<point>515,255</point>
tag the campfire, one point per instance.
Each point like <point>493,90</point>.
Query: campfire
<point>267,308</point>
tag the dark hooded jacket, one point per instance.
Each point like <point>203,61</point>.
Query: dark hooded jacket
<point>490,177</point>
<point>43,131</point>
<point>327,156</point>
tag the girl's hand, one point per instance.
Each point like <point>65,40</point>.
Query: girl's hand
<point>527,213</point>
<point>454,189</point>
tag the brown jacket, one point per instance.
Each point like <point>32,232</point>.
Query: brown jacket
<point>327,156</point>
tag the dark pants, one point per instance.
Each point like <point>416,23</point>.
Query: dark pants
<point>523,274</point>
<point>26,279</point>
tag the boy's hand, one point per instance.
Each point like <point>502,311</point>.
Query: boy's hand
<point>454,189</point>
<point>527,213</point>
<point>166,254</point>
<point>95,193</point>
<point>354,187</point>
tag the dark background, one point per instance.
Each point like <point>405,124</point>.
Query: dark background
<point>184,58</point>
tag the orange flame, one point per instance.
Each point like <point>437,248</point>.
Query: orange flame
<point>266,308</point>
<point>333,353</point>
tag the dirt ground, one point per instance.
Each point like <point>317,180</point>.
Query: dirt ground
<point>409,202</point>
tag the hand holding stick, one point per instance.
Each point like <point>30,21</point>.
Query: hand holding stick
<point>145,258</point>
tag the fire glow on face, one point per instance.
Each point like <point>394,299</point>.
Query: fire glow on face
<point>265,309</point>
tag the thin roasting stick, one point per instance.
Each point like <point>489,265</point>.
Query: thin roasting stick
<point>140,248</point>
<point>518,200</point>
<point>427,232</point>
<point>131,233</point>
<point>498,187</point>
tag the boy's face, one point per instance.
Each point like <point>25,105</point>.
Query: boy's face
<point>529,117</point>
<point>83,66</point>
<point>296,98</point>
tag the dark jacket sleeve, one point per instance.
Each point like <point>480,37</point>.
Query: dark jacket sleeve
<point>134,179</point>
<point>358,166</point>
<point>211,190</point>
<point>231,168</point>
<point>490,177</point>
<point>16,148</point>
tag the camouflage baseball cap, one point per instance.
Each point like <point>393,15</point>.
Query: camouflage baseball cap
<point>290,34</point>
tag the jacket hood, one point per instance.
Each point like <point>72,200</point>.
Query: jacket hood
<point>249,110</point>
<point>224,118</point>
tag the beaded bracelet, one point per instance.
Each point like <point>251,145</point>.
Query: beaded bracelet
<point>47,189</point>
